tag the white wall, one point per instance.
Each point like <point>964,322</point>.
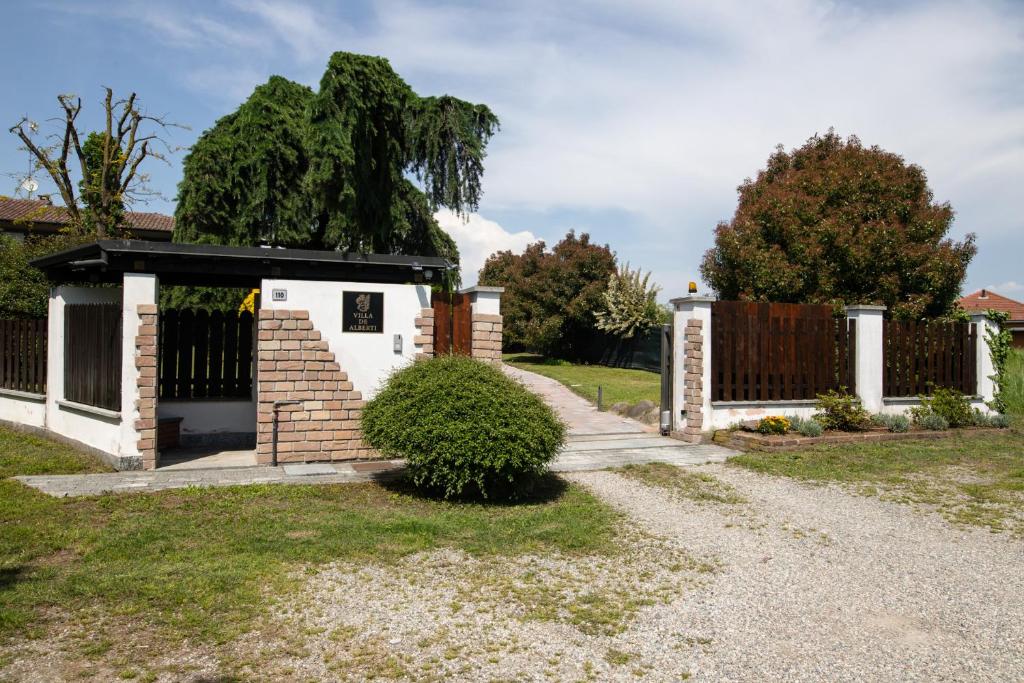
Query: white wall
<point>24,410</point>
<point>139,288</point>
<point>367,358</point>
<point>211,417</point>
<point>724,415</point>
<point>103,433</point>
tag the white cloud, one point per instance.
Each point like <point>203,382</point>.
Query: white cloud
<point>478,238</point>
<point>1007,288</point>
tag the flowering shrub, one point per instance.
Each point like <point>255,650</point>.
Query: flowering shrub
<point>775,424</point>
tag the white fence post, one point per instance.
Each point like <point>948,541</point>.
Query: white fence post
<point>868,361</point>
<point>986,388</point>
<point>691,366</point>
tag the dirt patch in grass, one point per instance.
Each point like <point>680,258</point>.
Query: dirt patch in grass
<point>687,482</point>
<point>975,479</point>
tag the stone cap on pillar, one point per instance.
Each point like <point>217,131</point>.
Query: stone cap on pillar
<point>484,300</point>
<point>679,303</point>
<point>866,308</point>
<point>482,289</point>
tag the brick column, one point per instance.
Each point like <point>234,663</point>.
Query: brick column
<point>487,322</point>
<point>691,367</point>
<point>693,380</point>
<point>424,341</point>
<point>295,364</point>
<point>146,380</point>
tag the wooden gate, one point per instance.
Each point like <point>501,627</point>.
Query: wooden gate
<point>453,324</point>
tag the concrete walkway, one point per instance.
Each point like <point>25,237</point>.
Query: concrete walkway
<point>596,441</point>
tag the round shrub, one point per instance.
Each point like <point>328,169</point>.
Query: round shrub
<point>898,423</point>
<point>933,422</point>
<point>999,421</point>
<point>464,427</point>
<point>810,428</point>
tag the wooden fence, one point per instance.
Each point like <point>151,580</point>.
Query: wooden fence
<point>205,355</point>
<point>919,356</point>
<point>779,352</point>
<point>92,354</point>
<point>453,323</point>
<point>23,355</point>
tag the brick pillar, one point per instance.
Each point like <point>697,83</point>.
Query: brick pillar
<point>693,380</point>
<point>691,367</point>
<point>487,333</point>
<point>487,322</point>
<point>295,364</point>
<point>146,380</point>
<point>424,341</point>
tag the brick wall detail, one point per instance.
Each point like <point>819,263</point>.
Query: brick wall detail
<point>296,364</point>
<point>693,379</point>
<point>487,332</point>
<point>146,364</point>
<point>424,341</point>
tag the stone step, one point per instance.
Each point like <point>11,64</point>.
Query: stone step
<point>622,444</point>
<point>581,438</point>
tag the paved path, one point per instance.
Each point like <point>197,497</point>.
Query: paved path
<point>597,440</point>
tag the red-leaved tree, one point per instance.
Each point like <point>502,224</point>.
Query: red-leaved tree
<point>837,222</point>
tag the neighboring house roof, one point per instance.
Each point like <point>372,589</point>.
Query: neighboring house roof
<point>40,213</point>
<point>985,299</point>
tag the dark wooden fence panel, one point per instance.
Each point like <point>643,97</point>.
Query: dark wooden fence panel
<point>453,323</point>
<point>92,354</point>
<point>779,352</point>
<point>919,356</point>
<point>205,355</point>
<point>23,355</point>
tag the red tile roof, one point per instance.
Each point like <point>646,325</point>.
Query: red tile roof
<point>984,299</point>
<point>40,212</point>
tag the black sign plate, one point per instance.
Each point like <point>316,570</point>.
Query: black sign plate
<point>362,312</point>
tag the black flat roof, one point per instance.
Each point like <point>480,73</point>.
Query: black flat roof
<point>214,265</point>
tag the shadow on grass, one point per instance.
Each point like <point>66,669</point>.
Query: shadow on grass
<point>547,488</point>
<point>11,575</point>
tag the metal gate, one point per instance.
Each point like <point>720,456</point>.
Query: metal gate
<point>666,379</point>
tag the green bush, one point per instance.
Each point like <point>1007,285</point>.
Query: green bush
<point>950,404</point>
<point>464,427</point>
<point>933,422</point>
<point>999,421</point>
<point>840,411</point>
<point>894,423</point>
<point>898,423</point>
<point>809,428</point>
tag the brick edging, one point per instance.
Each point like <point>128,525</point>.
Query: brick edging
<point>760,442</point>
<point>424,341</point>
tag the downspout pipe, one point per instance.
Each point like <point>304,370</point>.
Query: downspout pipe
<point>277,408</point>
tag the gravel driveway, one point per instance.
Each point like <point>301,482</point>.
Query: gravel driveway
<point>818,585</point>
<point>798,583</point>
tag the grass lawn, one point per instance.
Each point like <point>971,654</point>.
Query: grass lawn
<point>686,482</point>
<point>618,384</point>
<point>202,563</point>
<point>972,478</point>
<point>1014,391</point>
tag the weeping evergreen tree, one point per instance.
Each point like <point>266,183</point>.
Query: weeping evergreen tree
<point>331,169</point>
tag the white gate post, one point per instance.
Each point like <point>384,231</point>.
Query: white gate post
<point>986,388</point>
<point>691,366</point>
<point>868,364</point>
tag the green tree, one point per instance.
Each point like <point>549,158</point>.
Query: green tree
<point>24,290</point>
<point>630,305</point>
<point>550,296</point>
<point>837,222</point>
<point>330,169</point>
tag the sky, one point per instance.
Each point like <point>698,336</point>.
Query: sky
<point>632,121</point>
